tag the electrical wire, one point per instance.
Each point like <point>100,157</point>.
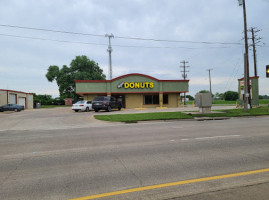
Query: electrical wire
<point>99,44</point>
<point>122,37</point>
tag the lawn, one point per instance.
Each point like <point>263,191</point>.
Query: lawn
<point>54,106</point>
<point>178,115</point>
<point>237,113</point>
<point>143,116</point>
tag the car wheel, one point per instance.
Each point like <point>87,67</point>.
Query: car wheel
<point>108,109</point>
<point>87,109</point>
<point>96,110</point>
<point>76,110</point>
<point>16,110</point>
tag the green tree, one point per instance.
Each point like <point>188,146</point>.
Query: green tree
<point>190,97</point>
<point>81,68</point>
<point>230,96</point>
<point>204,91</point>
<point>219,96</point>
<point>44,99</point>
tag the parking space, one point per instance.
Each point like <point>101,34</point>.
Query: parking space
<point>65,118</point>
<point>46,119</point>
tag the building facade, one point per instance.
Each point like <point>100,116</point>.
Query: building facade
<point>135,90</point>
<point>16,97</point>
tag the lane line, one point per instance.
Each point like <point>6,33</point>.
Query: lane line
<point>172,184</point>
<point>222,136</point>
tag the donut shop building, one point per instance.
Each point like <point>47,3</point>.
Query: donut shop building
<point>135,90</point>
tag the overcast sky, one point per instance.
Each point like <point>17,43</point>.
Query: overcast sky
<point>24,61</point>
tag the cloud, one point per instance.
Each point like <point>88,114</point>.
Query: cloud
<point>220,21</point>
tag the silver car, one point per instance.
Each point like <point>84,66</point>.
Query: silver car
<point>82,106</point>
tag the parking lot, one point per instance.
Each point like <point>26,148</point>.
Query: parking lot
<point>62,118</point>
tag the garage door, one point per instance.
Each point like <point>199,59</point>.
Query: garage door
<point>12,99</point>
<point>22,102</point>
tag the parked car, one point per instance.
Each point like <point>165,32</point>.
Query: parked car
<point>105,103</point>
<point>82,106</point>
<point>11,107</point>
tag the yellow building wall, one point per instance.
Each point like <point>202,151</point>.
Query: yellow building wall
<point>30,101</point>
<point>89,97</point>
<point>3,98</point>
<point>172,101</point>
<point>134,100</point>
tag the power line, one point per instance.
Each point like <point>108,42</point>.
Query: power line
<point>100,44</point>
<point>121,37</point>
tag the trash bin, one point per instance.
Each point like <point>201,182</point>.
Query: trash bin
<point>38,105</point>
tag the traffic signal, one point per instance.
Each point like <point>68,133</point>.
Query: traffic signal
<point>267,71</point>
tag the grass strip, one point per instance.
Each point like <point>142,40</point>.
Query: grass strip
<point>143,116</point>
<point>237,113</point>
<point>129,118</point>
<point>54,106</point>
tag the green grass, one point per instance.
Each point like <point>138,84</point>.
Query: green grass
<point>263,101</point>
<point>177,115</point>
<point>143,116</point>
<point>217,102</point>
<point>54,106</point>
<point>223,102</point>
<point>237,113</point>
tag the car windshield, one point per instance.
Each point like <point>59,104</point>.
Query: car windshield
<point>80,102</point>
<point>98,98</point>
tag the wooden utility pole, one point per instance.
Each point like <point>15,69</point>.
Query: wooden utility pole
<point>210,80</point>
<point>255,40</point>
<point>246,62</point>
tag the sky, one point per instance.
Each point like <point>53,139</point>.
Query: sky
<point>208,34</point>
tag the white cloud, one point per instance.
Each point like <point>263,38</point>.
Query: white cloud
<point>193,20</point>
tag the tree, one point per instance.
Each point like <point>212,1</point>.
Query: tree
<point>190,97</point>
<point>219,96</point>
<point>44,99</point>
<point>230,96</point>
<point>204,91</point>
<point>81,68</point>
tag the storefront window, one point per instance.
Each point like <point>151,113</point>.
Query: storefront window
<point>165,99</point>
<point>151,99</point>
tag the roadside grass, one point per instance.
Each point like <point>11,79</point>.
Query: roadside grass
<point>223,102</point>
<point>263,101</point>
<point>143,116</point>
<point>54,106</point>
<point>237,113</point>
<point>178,115</point>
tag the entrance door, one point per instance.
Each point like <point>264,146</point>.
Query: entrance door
<point>120,98</point>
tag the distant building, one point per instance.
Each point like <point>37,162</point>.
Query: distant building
<point>16,97</point>
<point>135,90</point>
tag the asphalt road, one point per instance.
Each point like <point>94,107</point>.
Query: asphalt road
<point>72,162</point>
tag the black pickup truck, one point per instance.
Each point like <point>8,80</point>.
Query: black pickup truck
<point>105,103</point>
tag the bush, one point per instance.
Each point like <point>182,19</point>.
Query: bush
<point>230,96</point>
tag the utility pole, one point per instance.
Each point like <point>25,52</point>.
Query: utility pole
<point>184,75</point>
<point>109,52</point>
<point>210,80</point>
<point>246,62</point>
<point>255,41</point>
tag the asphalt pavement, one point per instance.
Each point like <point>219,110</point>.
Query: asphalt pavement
<point>61,158</point>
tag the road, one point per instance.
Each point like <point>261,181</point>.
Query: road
<point>69,163</point>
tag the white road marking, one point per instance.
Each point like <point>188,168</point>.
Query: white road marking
<point>185,139</point>
<point>222,136</point>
